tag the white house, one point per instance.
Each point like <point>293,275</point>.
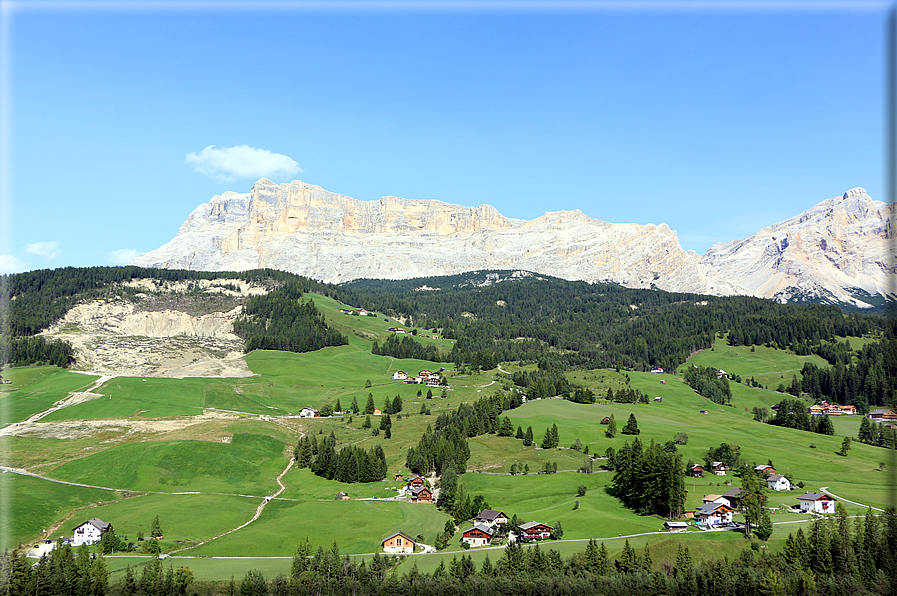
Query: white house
<point>400,375</point>
<point>308,413</point>
<point>491,517</point>
<point>778,482</point>
<point>90,532</point>
<point>717,499</point>
<point>479,535</point>
<point>714,514</point>
<point>818,502</point>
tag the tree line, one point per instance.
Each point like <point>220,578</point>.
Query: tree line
<point>835,556</point>
<point>281,320</point>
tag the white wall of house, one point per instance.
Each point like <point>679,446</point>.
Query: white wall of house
<point>86,533</point>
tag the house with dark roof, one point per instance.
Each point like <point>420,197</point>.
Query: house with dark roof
<point>778,482</point>
<point>421,494</point>
<point>479,535</point>
<point>714,514</point>
<point>90,532</point>
<point>534,530</point>
<point>735,495</point>
<point>491,517</point>
<point>817,502</point>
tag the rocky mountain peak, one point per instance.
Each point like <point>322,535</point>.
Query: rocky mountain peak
<point>832,251</point>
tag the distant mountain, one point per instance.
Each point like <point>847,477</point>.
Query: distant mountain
<point>307,230</point>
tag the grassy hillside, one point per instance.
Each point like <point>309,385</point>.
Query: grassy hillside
<point>221,458</point>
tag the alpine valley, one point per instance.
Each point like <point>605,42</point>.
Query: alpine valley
<point>838,251</point>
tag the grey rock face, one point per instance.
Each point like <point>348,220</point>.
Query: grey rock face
<point>307,230</point>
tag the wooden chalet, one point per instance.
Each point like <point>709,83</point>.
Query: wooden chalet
<point>675,526</point>
<point>714,514</point>
<point>534,530</point>
<point>491,517</point>
<point>421,494</point>
<point>479,535</point>
<point>765,469</point>
<point>696,471</point>
<point>883,414</point>
<point>719,468</point>
<point>415,481</point>
<point>399,543</point>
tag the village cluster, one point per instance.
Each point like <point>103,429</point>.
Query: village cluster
<point>487,526</point>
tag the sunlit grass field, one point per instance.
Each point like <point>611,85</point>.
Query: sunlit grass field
<point>243,456</point>
<point>35,389</point>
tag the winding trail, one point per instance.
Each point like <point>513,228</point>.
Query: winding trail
<point>258,512</point>
<point>74,397</point>
<point>824,489</point>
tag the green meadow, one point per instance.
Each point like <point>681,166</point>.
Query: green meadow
<point>356,526</point>
<point>224,458</point>
<point>35,389</point>
<point>32,505</point>
<point>248,464</point>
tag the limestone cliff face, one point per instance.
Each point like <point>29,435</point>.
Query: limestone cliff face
<point>307,230</point>
<point>839,247</point>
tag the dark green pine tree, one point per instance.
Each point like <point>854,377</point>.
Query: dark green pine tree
<point>354,406</point>
<point>396,404</point>
<point>528,437</point>
<point>519,434</point>
<point>506,429</point>
<point>555,436</point>
<point>387,406</point>
<point>370,407</point>
<point>631,427</point>
<point>611,431</point>
<point>367,422</point>
<point>338,407</point>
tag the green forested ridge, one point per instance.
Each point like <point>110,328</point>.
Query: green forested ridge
<point>280,320</point>
<point>577,323</point>
<point>37,299</point>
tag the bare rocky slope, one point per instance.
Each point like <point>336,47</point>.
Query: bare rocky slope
<point>834,250</point>
<point>160,332</point>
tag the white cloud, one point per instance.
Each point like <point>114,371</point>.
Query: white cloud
<point>242,161</point>
<point>10,264</point>
<point>47,250</point>
<point>122,257</point>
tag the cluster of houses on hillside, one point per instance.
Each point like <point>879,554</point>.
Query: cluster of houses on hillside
<point>361,312</point>
<point>831,410</point>
<point>429,378</point>
<point>486,526</point>
<point>401,331</point>
<point>717,510</point>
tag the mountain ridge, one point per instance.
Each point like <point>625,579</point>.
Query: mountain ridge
<point>304,229</point>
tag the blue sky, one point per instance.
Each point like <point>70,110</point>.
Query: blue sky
<point>716,118</point>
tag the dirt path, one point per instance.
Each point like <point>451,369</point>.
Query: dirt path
<point>258,512</point>
<point>74,397</point>
<point>824,489</point>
